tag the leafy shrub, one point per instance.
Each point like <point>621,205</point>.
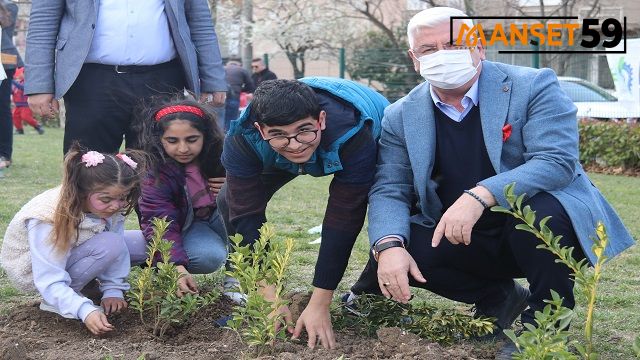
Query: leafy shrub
<point>154,289</point>
<point>440,325</point>
<point>609,144</point>
<point>548,340</point>
<point>256,267</point>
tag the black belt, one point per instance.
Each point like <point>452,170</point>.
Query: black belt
<point>133,69</point>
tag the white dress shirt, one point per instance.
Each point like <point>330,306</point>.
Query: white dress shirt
<point>131,32</point>
<point>468,101</point>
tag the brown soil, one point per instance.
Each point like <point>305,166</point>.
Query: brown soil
<point>26,332</point>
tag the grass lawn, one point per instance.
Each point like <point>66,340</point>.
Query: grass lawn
<point>300,206</point>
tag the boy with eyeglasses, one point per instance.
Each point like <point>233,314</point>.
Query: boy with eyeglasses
<point>317,126</point>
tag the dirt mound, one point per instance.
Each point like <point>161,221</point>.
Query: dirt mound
<point>26,332</point>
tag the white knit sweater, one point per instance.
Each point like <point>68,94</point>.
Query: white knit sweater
<point>15,256</point>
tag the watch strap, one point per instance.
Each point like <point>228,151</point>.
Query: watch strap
<point>378,248</point>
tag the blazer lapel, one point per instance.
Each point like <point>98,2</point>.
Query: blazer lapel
<point>419,130</point>
<point>494,95</point>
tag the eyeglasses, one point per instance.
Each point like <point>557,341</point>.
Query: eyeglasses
<point>430,49</point>
<point>303,137</point>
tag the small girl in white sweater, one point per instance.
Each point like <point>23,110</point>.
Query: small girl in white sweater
<point>69,235</point>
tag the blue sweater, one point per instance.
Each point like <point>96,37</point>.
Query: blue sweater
<point>348,150</point>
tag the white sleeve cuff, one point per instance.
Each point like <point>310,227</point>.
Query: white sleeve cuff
<point>85,310</point>
<point>113,293</point>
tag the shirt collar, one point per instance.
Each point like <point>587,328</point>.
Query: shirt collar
<point>472,95</point>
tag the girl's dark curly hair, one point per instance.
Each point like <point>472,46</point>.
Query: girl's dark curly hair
<point>150,133</point>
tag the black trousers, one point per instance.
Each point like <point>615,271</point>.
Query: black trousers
<point>102,103</point>
<point>6,124</point>
<point>481,273</point>
<point>272,181</point>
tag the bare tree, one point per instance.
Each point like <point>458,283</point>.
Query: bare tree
<point>229,25</point>
<point>372,11</point>
<point>565,8</point>
<point>301,29</point>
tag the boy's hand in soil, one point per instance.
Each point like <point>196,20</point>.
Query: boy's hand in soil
<point>113,305</point>
<point>316,319</point>
<point>269,293</point>
<point>97,323</point>
<point>186,283</point>
<point>215,184</point>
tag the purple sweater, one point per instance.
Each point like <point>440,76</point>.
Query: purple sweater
<point>166,196</point>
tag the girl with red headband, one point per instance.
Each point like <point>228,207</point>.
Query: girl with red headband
<point>184,144</point>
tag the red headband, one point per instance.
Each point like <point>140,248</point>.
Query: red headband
<point>178,108</point>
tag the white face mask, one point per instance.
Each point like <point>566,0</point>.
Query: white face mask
<point>448,69</point>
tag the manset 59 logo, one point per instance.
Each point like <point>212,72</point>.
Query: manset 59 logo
<point>557,33</point>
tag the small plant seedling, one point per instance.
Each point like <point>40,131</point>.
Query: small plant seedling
<point>549,338</point>
<point>258,267</point>
<point>154,289</point>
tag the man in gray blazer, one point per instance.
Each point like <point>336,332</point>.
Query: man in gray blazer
<point>104,57</point>
<point>446,152</point>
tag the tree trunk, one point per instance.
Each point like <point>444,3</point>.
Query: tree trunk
<point>247,46</point>
<point>297,63</point>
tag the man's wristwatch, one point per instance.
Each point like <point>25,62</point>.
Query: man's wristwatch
<point>378,248</point>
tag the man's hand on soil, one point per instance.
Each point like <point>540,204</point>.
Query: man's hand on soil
<point>394,267</point>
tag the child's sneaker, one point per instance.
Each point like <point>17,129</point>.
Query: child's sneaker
<point>231,289</point>
<point>40,130</point>
<point>50,308</point>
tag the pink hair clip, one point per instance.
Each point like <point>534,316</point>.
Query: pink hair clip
<point>92,158</point>
<point>127,160</point>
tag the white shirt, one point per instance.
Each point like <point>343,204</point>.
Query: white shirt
<point>52,279</point>
<point>131,32</point>
<point>468,101</point>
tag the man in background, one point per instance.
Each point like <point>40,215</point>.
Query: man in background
<point>261,72</point>
<point>238,80</point>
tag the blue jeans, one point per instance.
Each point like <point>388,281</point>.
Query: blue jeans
<point>206,244</point>
<point>231,111</point>
<point>220,113</point>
